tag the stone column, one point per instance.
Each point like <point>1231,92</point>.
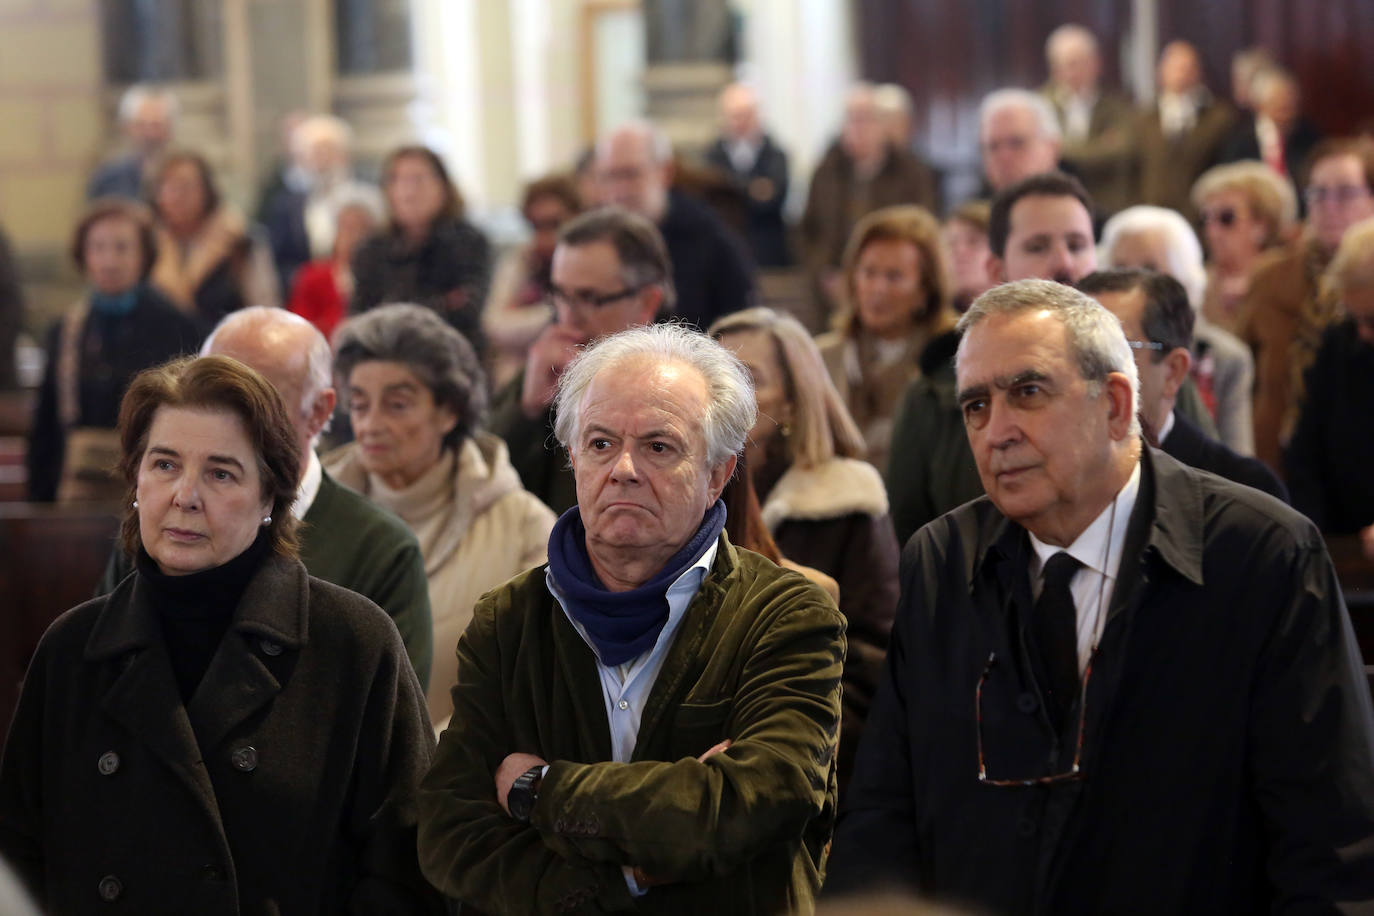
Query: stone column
<point>690,50</point>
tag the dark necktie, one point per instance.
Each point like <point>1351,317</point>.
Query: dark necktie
<point>1056,633</point>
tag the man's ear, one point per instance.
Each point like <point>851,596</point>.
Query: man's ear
<point>1179,361</point>
<point>1118,391</point>
<point>996,268</point>
<point>650,301</point>
<point>321,410</point>
<point>720,476</point>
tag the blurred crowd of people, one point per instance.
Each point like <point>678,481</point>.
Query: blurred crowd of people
<point>420,367</point>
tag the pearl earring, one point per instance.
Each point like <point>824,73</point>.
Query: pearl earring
<point>135,504</point>
<point>266,520</point>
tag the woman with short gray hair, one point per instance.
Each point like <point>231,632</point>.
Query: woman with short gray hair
<point>416,394</point>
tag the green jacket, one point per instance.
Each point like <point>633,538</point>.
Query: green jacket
<point>757,660</point>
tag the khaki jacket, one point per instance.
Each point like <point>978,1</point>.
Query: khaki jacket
<point>757,660</point>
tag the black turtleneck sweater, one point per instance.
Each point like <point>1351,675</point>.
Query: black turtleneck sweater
<point>195,609</point>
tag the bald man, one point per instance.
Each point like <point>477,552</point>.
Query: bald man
<point>711,271</point>
<point>345,538</point>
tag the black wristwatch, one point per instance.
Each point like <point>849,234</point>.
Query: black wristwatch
<point>524,792</point>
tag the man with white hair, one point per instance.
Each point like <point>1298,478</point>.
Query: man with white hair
<point>654,714</point>
<point>752,159</point>
<point>634,170</point>
<point>1018,136</point>
<point>345,538</point>
<point>1153,238</point>
<point>147,119</point>
<point>1098,126</point>
<point>862,171</point>
<point>1112,659</point>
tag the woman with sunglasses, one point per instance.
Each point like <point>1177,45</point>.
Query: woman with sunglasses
<point>1246,209</point>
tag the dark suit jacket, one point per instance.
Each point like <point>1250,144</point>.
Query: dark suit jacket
<point>1190,445</point>
<point>711,271</point>
<point>765,189</point>
<point>1244,144</point>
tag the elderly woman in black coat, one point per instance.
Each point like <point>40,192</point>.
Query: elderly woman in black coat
<point>222,733</point>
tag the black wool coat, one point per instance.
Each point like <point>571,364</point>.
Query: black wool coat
<point>284,786</point>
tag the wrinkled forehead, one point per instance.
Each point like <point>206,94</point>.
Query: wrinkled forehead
<point>638,390</point>
<point>1010,345</point>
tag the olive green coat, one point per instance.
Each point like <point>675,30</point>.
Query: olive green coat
<point>757,660</point>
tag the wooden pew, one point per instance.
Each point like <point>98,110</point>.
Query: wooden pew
<point>51,558</point>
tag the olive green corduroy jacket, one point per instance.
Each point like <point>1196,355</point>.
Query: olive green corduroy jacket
<point>757,660</point>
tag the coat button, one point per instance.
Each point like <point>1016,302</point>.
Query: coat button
<point>269,647</point>
<point>559,825</point>
<point>1027,703</point>
<point>1025,828</point>
<point>244,759</point>
<point>108,764</point>
<point>110,888</point>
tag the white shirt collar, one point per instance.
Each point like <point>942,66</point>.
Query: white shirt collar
<point>310,486</point>
<point>1091,548</point>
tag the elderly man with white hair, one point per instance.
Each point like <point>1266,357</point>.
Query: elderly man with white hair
<point>147,120</point>
<point>1018,136</point>
<point>1154,238</point>
<point>634,169</point>
<point>862,171</point>
<point>1110,660</point>
<point>654,714</point>
<point>345,539</point>
<point>1098,126</point>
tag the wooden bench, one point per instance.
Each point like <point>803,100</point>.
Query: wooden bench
<point>53,557</point>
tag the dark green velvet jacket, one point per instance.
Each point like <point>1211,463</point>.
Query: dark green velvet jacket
<point>757,660</point>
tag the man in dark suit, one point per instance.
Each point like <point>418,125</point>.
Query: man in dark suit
<point>711,270</point>
<point>1278,134</point>
<point>1182,132</point>
<point>1111,660</point>
<point>1158,321</point>
<point>758,166</point>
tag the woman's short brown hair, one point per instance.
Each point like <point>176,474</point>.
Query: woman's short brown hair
<point>559,186</point>
<point>916,226</point>
<point>1270,197</point>
<point>454,206</point>
<point>204,172</point>
<point>214,383</point>
<point>117,208</point>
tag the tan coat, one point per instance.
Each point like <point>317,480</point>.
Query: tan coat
<point>477,527</point>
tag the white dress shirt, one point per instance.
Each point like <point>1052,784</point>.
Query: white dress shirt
<point>1099,550</point>
<point>309,488</point>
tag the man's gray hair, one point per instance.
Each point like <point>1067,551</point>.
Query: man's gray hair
<point>1033,102</point>
<point>655,140</point>
<point>730,406</point>
<point>137,94</point>
<point>319,359</point>
<point>1096,341</point>
<point>1183,248</point>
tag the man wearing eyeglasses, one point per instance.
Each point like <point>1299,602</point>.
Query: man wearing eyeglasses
<point>1158,320</point>
<point>1116,684</point>
<point>1287,309</point>
<point>610,272</point>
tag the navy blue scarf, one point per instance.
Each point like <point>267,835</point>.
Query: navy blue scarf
<point>621,625</point>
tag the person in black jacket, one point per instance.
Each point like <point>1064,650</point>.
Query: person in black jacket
<point>428,254</point>
<point>751,158</point>
<point>712,273</point>
<point>122,326</point>
<point>1113,659</point>
<point>1158,321</point>
<point>1330,456</point>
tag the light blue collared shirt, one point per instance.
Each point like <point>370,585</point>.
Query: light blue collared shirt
<point>625,688</point>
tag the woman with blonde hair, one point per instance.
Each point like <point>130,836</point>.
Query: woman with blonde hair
<point>1246,209</point>
<point>824,506</point>
<point>899,301</point>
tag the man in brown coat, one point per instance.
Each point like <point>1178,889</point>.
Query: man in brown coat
<point>1181,134</point>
